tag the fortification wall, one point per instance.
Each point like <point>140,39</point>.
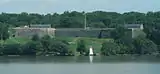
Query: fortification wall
<point>76,32</point>
<point>29,32</point>
<point>95,33</point>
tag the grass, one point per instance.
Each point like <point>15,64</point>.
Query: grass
<point>94,42</point>
<point>13,40</point>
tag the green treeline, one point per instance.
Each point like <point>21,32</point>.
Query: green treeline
<point>120,44</point>
<point>123,44</point>
<point>37,46</point>
<point>149,43</point>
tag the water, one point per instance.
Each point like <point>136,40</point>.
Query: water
<point>79,65</point>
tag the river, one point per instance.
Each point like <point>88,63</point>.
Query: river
<point>80,65</point>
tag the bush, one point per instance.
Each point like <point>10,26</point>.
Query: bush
<point>31,48</point>
<point>35,37</point>
<point>81,47</point>
<point>58,48</point>
<point>118,33</point>
<point>45,41</point>
<point>110,48</point>
<point>1,50</point>
<point>97,25</point>
<point>126,49</point>
<point>11,49</point>
<point>144,46</point>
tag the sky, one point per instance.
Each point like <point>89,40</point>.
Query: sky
<point>59,6</point>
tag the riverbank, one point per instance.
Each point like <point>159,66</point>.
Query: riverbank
<point>77,46</point>
<point>25,46</point>
<point>79,59</point>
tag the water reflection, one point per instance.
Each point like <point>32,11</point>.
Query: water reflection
<point>91,59</point>
<point>82,59</point>
<point>79,65</point>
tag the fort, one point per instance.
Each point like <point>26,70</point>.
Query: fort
<point>29,31</point>
<point>45,29</point>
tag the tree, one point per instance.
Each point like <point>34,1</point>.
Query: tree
<point>151,21</point>
<point>35,37</point>
<point>154,34</point>
<point>70,22</point>
<point>118,32</point>
<point>107,21</point>
<point>4,31</point>
<point>31,48</point>
<point>97,25</point>
<point>126,48</point>
<point>11,49</point>
<point>81,46</point>
<point>110,48</point>
<point>58,48</point>
<point>11,32</point>
<point>45,41</point>
<point>123,37</point>
<point>1,50</point>
<point>144,46</point>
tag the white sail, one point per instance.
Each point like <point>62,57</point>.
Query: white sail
<point>91,54</point>
<point>91,51</point>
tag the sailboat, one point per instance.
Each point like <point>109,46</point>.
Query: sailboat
<point>91,51</point>
<point>91,54</point>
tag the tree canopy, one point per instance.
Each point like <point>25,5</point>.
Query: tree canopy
<point>4,31</point>
<point>95,19</point>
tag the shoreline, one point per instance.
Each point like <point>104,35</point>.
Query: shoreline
<point>125,55</point>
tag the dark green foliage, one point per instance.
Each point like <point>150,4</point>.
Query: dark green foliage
<point>158,46</point>
<point>151,20</point>
<point>45,41</point>
<point>70,22</point>
<point>58,48</point>
<point>110,48</point>
<point>11,49</point>
<point>123,37</point>
<point>35,37</point>
<point>96,19</point>
<point>31,48</point>
<point>126,49</point>
<point>155,33</point>
<point>81,46</point>
<point>100,34</point>
<point>46,46</point>
<point>4,34</point>
<point>76,19</point>
<point>144,46</point>
<point>97,25</point>
<point>1,50</point>
<point>118,33</point>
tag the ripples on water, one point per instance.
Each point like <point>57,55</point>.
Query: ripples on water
<point>82,59</point>
<point>80,65</point>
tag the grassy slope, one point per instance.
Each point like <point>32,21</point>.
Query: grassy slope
<point>94,42</point>
<point>16,40</point>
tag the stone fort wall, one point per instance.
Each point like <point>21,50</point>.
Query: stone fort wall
<point>29,32</point>
<point>79,32</point>
<point>94,33</point>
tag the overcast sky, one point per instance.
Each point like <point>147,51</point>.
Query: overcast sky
<point>49,6</point>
